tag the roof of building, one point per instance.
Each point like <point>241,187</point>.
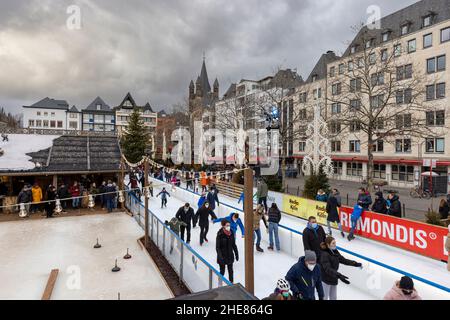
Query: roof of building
<point>231,92</point>
<point>204,81</point>
<point>286,79</point>
<point>49,103</point>
<point>129,98</point>
<point>98,102</point>
<point>73,109</point>
<point>148,107</point>
<point>412,15</point>
<point>320,69</point>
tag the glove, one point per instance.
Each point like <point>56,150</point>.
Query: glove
<point>357,265</point>
<point>343,278</point>
<point>237,257</point>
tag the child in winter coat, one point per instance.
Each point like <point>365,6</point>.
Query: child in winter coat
<point>164,195</point>
<point>403,290</point>
<point>356,215</point>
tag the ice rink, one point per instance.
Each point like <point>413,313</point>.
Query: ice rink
<point>31,249</point>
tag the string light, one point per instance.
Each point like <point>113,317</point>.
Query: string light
<point>23,212</point>
<point>91,203</point>
<point>121,197</point>
<point>58,208</point>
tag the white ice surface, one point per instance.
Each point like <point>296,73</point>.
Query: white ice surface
<point>29,250</point>
<point>15,150</point>
<point>270,266</point>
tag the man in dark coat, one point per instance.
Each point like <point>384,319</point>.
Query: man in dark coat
<point>313,236</point>
<point>333,205</point>
<point>185,214</point>
<point>379,206</point>
<point>63,193</point>
<point>109,196</point>
<point>202,216</point>
<point>364,199</point>
<point>395,207</point>
<point>226,249</point>
<point>304,278</point>
<point>212,198</point>
<point>50,206</point>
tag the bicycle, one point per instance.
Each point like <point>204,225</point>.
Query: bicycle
<point>418,192</point>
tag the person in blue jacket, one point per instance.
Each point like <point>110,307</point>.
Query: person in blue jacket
<point>212,198</point>
<point>241,199</point>
<point>321,196</point>
<point>356,215</point>
<point>234,221</point>
<point>304,277</point>
<point>201,200</point>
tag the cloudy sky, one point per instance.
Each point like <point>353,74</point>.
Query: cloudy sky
<point>153,48</point>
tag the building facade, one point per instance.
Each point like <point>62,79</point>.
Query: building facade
<point>99,116</point>
<point>46,114</point>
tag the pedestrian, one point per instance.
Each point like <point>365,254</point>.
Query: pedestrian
<point>380,204</point>
<point>333,205</point>
<point>321,196</point>
<point>226,249</point>
<point>234,221</point>
<point>51,198</point>
<point>356,215</point>
<point>114,198</point>
<point>212,198</point>
<point>313,236</point>
<point>164,195</point>
<point>64,195</point>
<point>364,198</point>
<point>202,216</point>
<point>102,190</point>
<point>403,290</point>
<point>75,194</point>
<point>447,247</point>
<point>274,220</point>
<point>203,181</point>
<point>395,207</point>
<point>189,184</point>
<point>175,226</point>
<point>282,291</point>
<point>185,214</point>
<point>201,200</point>
<point>330,260</point>
<point>258,215</point>
<point>262,190</point>
<point>25,197</point>
<point>150,187</point>
<point>109,196</point>
<point>444,209</point>
<point>304,278</point>
<point>36,193</point>
<point>241,199</point>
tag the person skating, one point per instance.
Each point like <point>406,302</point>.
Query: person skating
<point>164,194</point>
<point>202,216</point>
<point>203,181</point>
<point>201,200</point>
<point>403,290</point>
<point>304,278</point>
<point>356,215</point>
<point>185,214</point>
<point>226,249</point>
<point>380,204</point>
<point>212,198</point>
<point>258,215</point>
<point>282,291</point>
<point>234,221</point>
<point>330,259</point>
<point>313,236</point>
<point>262,190</point>
<point>174,225</point>
<point>51,197</point>
<point>333,205</point>
<point>364,199</point>
<point>274,220</point>
<point>395,207</point>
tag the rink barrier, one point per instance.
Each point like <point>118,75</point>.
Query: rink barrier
<point>430,288</point>
<point>195,281</point>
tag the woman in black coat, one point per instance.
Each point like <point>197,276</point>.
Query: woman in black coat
<point>333,205</point>
<point>202,216</point>
<point>330,259</point>
<point>226,249</point>
<point>50,206</point>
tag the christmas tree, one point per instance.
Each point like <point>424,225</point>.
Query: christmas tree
<point>136,137</point>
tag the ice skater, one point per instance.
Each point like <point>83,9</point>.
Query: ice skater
<point>164,195</point>
<point>202,216</point>
<point>175,226</point>
<point>185,214</point>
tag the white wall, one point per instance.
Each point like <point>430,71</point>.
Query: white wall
<point>31,114</point>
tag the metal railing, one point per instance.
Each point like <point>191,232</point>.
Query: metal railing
<point>193,270</point>
<point>58,132</point>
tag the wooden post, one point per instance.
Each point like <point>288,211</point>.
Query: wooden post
<point>122,183</point>
<point>50,285</point>
<point>248,212</point>
<point>146,239</point>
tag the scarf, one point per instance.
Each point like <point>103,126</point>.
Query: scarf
<point>228,233</point>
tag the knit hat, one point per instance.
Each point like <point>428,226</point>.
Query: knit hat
<point>406,283</point>
<point>310,256</point>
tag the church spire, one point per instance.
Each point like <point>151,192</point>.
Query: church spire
<point>204,81</point>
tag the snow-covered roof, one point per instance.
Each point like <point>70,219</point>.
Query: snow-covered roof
<point>15,150</point>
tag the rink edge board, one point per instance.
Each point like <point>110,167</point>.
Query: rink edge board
<point>194,252</point>
<point>376,262</point>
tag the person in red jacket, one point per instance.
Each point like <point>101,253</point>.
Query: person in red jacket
<point>75,192</point>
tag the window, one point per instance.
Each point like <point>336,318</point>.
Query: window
<point>440,63</point>
<point>379,125</point>
<point>435,118</point>
<point>397,50</point>
<point>353,49</point>
<point>314,78</point>
<point>302,97</point>
<point>341,68</point>
<point>445,35</point>
<point>317,93</point>
<point>355,85</point>
<point>31,123</point>
<point>385,36</point>
<point>369,43</point>
<point>428,40</point>
<point>377,79</point>
<point>354,146</point>
<point>336,108</point>
<point>45,114</point>
<point>404,72</point>
<point>335,127</point>
<point>59,124</point>
<point>404,96</point>
<point>403,121</point>
<point>384,55</point>
<point>73,116</point>
<point>355,126</point>
<point>336,88</point>
<point>354,169</point>
<point>408,71</point>
<point>99,107</point>
<point>405,29</point>
<point>335,146</point>
<point>53,114</point>
<point>412,46</point>
<point>403,173</point>
<point>379,171</point>
<point>350,66</point>
<point>332,71</point>
<point>302,114</point>
<point>372,58</point>
<point>337,167</point>
<point>99,118</point>
<point>378,146</point>
<point>45,122</point>
<point>435,145</point>
<point>39,123</point>
<point>355,105</point>
<point>403,145</point>
<point>302,146</point>
<point>73,125</point>
<point>377,101</point>
<point>53,124</point>
<point>38,113</point>
<point>426,21</point>
<point>436,91</point>
<point>436,64</point>
<point>360,63</point>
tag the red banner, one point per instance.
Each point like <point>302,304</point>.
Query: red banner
<point>421,238</point>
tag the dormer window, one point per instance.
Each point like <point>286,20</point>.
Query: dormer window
<point>385,36</point>
<point>353,49</point>
<point>314,78</point>
<point>405,28</point>
<point>426,21</point>
<point>369,43</point>
<point>99,107</point>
